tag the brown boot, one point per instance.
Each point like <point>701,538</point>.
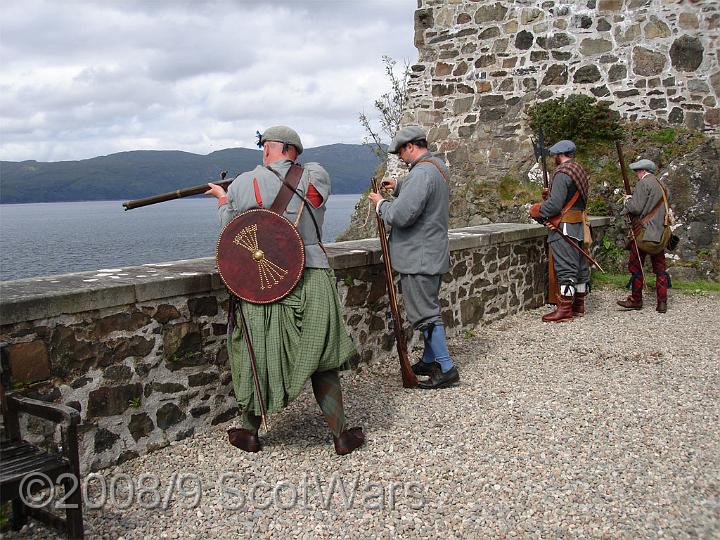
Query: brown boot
<point>349,440</point>
<point>579,304</point>
<point>563,311</point>
<point>244,439</point>
<point>661,307</point>
<point>630,303</point>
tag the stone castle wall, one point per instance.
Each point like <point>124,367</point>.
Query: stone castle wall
<point>140,352</point>
<point>482,62</point>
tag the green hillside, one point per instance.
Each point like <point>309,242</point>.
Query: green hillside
<point>130,175</point>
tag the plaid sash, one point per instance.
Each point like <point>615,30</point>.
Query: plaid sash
<point>577,174</point>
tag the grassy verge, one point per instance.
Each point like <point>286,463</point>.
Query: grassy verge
<point>620,280</point>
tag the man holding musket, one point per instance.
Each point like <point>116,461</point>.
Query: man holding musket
<point>564,210</point>
<point>301,336</point>
<point>419,247</point>
<point>648,208</point>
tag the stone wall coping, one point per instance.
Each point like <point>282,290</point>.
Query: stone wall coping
<point>49,296</point>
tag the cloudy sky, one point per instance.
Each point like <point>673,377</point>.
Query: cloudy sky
<point>89,78</point>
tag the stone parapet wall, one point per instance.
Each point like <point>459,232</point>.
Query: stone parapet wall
<point>482,62</point>
<point>140,351</point>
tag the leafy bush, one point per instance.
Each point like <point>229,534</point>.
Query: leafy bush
<point>577,117</point>
<point>610,251</point>
<point>598,206</point>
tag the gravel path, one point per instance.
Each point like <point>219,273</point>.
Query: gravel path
<point>599,428</point>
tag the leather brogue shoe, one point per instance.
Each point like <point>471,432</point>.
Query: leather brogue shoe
<point>661,307</point>
<point>630,303</point>
<point>244,439</point>
<point>349,440</point>
<point>438,379</point>
<point>423,368</point>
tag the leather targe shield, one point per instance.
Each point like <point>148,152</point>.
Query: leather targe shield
<point>260,256</point>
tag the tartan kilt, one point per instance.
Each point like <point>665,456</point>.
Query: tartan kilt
<point>292,339</point>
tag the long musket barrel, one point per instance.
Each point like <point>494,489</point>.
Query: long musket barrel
<point>626,181</point>
<point>628,191</point>
<point>177,194</point>
<point>409,379</point>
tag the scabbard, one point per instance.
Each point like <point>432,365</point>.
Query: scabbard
<point>553,288</point>
<point>253,365</point>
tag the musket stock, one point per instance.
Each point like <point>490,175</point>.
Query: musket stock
<point>409,379</point>
<point>177,194</point>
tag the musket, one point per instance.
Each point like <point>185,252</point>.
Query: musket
<point>177,194</point>
<point>574,245</point>
<point>628,191</point>
<point>409,379</point>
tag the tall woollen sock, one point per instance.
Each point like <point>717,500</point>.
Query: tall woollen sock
<point>438,345</point>
<point>428,357</point>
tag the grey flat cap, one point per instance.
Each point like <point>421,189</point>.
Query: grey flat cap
<point>284,135</point>
<point>644,164</point>
<point>406,135</point>
<point>562,147</point>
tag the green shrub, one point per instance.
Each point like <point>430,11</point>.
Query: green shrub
<point>598,206</point>
<point>576,117</point>
<point>610,250</point>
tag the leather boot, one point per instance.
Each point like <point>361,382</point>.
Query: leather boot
<point>630,303</point>
<point>244,439</point>
<point>579,304</point>
<point>563,311</point>
<point>349,440</point>
<point>661,307</point>
<point>438,379</point>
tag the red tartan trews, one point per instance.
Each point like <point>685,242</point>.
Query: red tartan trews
<point>636,283</point>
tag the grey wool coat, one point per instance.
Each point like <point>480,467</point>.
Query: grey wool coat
<point>419,219</point>
<point>646,195</point>
<point>241,197</point>
<point>563,189</point>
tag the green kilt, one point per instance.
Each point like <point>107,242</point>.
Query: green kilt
<point>292,339</point>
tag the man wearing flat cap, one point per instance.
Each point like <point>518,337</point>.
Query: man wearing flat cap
<point>565,209</point>
<point>419,247</point>
<point>650,219</point>
<point>302,335</point>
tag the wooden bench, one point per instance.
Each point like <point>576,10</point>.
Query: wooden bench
<point>20,461</point>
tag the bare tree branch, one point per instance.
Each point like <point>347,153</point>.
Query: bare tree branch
<point>390,106</point>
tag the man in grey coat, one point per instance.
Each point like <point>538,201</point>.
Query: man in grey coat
<point>419,247</point>
<point>647,207</point>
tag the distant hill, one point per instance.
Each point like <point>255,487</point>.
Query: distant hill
<point>131,175</point>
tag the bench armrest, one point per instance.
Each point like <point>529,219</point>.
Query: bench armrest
<point>60,414</point>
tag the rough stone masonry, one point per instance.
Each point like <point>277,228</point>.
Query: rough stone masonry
<point>481,62</point>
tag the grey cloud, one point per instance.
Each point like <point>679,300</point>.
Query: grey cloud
<point>80,78</point>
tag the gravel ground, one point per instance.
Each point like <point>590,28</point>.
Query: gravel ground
<point>606,427</point>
